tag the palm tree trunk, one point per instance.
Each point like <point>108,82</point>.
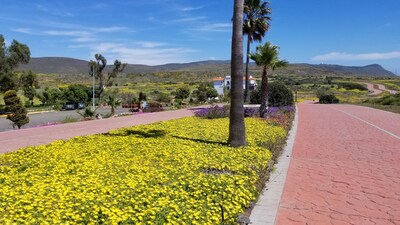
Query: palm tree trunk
<point>264,92</point>
<point>247,88</point>
<point>237,131</point>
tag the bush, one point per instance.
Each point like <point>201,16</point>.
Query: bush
<point>154,107</point>
<point>182,93</point>
<point>163,97</point>
<point>387,100</point>
<point>352,86</point>
<point>249,112</point>
<point>205,92</point>
<point>213,112</point>
<point>328,99</point>
<point>87,113</point>
<point>16,111</point>
<point>278,95</point>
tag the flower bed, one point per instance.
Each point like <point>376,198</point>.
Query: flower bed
<point>175,172</point>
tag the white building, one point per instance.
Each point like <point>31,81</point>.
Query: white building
<point>221,83</point>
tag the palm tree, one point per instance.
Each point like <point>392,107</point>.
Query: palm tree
<point>113,102</point>
<point>267,57</point>
<point>255,25</point>
<point>237,131</point>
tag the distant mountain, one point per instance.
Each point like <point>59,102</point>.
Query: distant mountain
<point>369,70</point>
<point>58,65</point>
<point>62,65</point>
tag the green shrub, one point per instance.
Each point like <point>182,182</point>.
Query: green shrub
<point>387,100</point>
<point>352,86</point>
<point>328,99</point>
<point>278,95</point>
<point>16,111</point>
<point>87,113</point>
<point>182,93</point>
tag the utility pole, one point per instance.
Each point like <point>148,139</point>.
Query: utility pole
<point>93,99</point>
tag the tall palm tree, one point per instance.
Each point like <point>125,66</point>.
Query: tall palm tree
<point>237,131</point>
<point>255,25</point>
<point>267,57</point>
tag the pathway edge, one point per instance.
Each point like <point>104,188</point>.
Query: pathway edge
<point>266,208</point>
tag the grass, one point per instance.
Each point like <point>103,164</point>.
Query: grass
<point>175,172</point>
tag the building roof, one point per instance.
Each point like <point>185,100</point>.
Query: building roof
<point>218,79</point>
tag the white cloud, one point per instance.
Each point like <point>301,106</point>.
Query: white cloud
<point>187,9</point>
<point>23,30</point>
<point>84,34</point>
<point>67,33</point>
<point>149,44</point>
<point>56,11</point>
<point>141,55</point>
<point>189,19</point>
<point>215,27</point>
<point>109,29</point>
<point>335,56</point>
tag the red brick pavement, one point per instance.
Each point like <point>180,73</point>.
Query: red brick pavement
<point>343,170</point>
<point>12,140</point>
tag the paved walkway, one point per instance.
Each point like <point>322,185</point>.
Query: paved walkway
<point>380,89</point>
<point>12,140</point>
<point>345,168</point>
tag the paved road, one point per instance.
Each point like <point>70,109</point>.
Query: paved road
<point>380,89</point>
<point>12,140</point>
<point>372,90</point>
<point>49,117</point>
<point>344,168</point>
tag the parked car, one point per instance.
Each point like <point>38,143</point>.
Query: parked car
<point>69,106</point>
<point>80,105</point>
<point>73,105</point>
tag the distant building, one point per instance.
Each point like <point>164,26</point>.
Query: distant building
<point>221,83</point>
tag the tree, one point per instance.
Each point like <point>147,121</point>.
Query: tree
<point>97,68</point>
<point>205,92</point>
<point>28,82</point>
<point>142,97</point>
<point>182,93</point>
<point>16,111</point>
<point>237,132</point>
<point>113,102</point>
<point>278,95</point>
<point>267,57</point>
<point>255,25</point>
<point>10,58</point>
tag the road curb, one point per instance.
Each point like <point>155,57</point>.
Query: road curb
<point>266,209</point>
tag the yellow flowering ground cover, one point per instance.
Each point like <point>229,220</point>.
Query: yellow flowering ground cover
<point>174,172</point>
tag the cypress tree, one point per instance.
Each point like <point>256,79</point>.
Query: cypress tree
<point>16,111</point>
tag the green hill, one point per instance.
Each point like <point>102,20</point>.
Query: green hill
<point>77,69</point>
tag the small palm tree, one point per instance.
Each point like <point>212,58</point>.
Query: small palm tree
<point>255,24</point>
<point>113,102</point>
<point>267,57</point>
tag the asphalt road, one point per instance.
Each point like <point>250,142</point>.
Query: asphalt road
<point>50,117</point>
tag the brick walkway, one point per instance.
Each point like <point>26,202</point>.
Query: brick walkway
<point>345,168</point>
<point>12,140</point>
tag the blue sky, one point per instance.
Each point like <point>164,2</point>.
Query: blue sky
<point>153,32</point>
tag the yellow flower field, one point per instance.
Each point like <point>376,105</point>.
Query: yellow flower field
<point>174,172</point>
